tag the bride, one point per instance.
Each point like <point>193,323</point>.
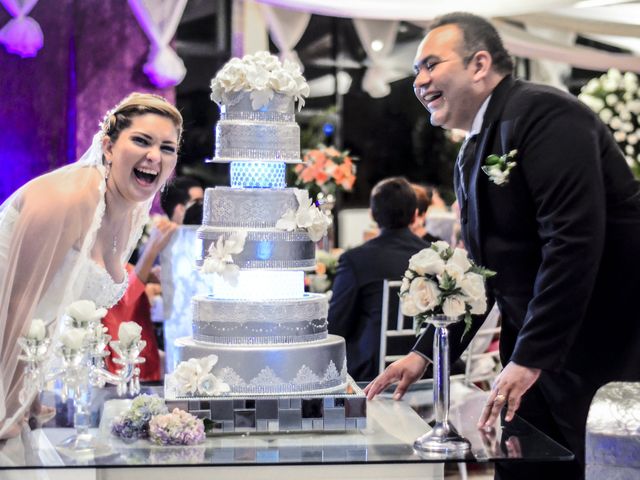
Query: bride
<point>66,235</point>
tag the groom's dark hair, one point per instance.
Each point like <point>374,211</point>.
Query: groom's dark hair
<point>393,203</point>
<point>478,34</point>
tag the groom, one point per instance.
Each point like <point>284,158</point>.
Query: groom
<point>562,233</point>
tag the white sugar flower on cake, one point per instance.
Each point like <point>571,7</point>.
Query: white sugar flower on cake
<point>262,74</point>
<point>219,259</point>
<point>307,217</point>
<point>194,377</point>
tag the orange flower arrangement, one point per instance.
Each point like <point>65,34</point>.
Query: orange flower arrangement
<point>326,169</point>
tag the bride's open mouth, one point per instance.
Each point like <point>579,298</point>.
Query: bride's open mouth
<point>145,175</point>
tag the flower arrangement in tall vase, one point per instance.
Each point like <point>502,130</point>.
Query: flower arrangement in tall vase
<point>615,97</point>
<point>325,172</point>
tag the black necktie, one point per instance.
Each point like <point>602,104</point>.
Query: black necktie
<point>465,162</point>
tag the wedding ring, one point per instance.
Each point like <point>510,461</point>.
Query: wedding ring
<point>500,398</point>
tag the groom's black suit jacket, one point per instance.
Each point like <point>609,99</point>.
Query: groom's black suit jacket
<point>563,236</point>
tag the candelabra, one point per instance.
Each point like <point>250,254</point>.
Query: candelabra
<point>81,351</point>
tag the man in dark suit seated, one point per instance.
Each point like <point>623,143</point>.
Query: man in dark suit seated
<point>355,307</point>
<point>560,224</point>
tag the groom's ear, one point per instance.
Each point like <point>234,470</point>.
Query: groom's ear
<point>481,64</point>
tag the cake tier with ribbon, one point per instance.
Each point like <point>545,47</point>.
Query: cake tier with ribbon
<point>266,249</point>
<point>254,322</point>
<point>274,368</point>
<point>269,134</point>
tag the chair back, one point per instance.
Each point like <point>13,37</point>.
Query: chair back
<point>396,331</point>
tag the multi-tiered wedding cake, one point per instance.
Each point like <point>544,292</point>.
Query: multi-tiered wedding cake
<point>259,333</point>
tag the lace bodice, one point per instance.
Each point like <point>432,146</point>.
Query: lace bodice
<point>92,281</point>
<point>100,287</point>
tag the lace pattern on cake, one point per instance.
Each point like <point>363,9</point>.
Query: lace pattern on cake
<point>306,309</point>
<point>273,117</point>
<point>228,207</point>
<point>268,382</point>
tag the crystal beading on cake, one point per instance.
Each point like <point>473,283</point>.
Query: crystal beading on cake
<point>266,334</point>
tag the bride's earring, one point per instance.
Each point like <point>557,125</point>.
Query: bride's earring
<point>108,169</point>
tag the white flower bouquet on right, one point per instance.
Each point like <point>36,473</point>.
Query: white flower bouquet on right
<point>443,281</point>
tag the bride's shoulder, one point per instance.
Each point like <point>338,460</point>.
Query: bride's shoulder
<point>66,190</point>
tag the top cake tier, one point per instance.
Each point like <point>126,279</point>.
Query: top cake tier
<point>269,134</point>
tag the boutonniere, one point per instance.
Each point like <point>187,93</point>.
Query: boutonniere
<point>499,167</point>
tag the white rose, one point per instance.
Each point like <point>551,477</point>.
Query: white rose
<point>408,306</point>
<point>611,99</point>
<point>319,224</point>
<point>129,333</point>
<point>282,82</point>
<point>627,127</point>
<point>630,81</point>
<point>629,150</point>
<point>427,262</point>
<point>615,123</point>
<point>440,246</point>
<point>620,107</point>
<point>453,306</point>
<point>605,115</point>
<point>405,285</point>
<point>425,294</point>
<point>186,376</point>
<point>454,271</point>
<point>619,136</point>
<point>592,86</point>
<point>460,258</point>
<point>37,330</point>
<point>257,77</point>
<point>73,338</point>
<point>634,106</point>
<point>472,285</point>
<point>478,306</point>
<point>84,312</point>
<point>209,385</point>
<point>594,103</point>
<point>632,139</point>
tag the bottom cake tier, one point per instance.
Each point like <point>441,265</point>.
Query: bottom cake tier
<point>310,367</point>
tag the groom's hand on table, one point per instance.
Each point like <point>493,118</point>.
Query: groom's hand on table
<point>508,389</point>
<point>405,371</point>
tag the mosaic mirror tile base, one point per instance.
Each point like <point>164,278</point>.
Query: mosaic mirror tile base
<point>335,412</point>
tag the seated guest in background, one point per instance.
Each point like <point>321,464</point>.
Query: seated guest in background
<point>355,307</point>
<point>193,214</point>
<point>418,227</point>
<point>135,306</point>
<point>177,194</point>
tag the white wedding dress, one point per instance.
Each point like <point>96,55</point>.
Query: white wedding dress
<point>48,231</point>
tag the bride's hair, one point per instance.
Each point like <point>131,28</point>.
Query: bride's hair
<point>136,104</point>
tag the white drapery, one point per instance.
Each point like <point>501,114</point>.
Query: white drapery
<point>378,37</point>
<point>21,35</point>
<point>159,20</point>
<point>417,9</point>
<point>286,28</point>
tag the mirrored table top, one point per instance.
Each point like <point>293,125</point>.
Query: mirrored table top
<point>392,427</point>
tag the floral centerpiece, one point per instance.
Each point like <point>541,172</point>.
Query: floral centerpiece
<point>615,97</point>
<point>263,75</point>
<point>442,280</point>
<point>134,423</point>
<point>326,170</point>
